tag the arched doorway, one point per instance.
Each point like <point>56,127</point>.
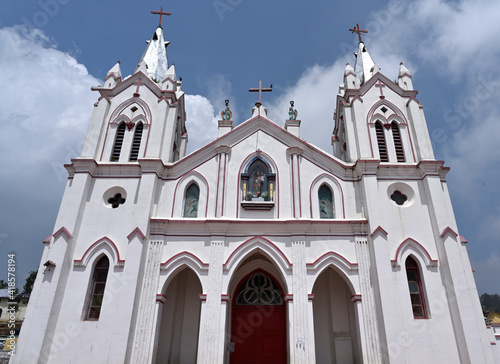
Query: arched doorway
<point>258,322</point>
<point>335,326</point>
<point>180,320</point>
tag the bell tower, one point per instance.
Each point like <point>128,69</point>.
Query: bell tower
<point>377,118</point>
<point>142,116</point>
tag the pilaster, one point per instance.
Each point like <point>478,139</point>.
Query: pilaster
<point>222,156</point>
<point>301,343</point>
<point>211,344</point>
<point>295,155</point>
<point>144,333</point>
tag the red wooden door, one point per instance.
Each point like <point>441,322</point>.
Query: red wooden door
<point>258,322</point>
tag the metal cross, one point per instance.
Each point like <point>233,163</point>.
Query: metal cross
<point>260,90</point>
<point>161,12</point>
<point>359,31</point>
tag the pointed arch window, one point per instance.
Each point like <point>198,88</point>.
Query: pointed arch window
<point>191,200</point>
<point>117,146</point>
<point>258,181</point>
<point>325,200</point>
<point>136,142</point>
<point>97,288</point>
<point>416,290</point>
<point>382,147</point>
<point>398,144</point>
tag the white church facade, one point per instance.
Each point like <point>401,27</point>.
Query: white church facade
<point>258,247</point>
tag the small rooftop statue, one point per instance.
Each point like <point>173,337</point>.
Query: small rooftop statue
<point>292,113</point>
<point>226,114</point>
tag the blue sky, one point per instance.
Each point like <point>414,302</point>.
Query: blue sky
<point>53,51</point>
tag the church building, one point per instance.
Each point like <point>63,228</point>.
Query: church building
<point>258,247</point>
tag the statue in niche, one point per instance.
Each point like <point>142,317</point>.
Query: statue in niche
<point>226,114</point>
<point>258,181</point>
<point>292,113</point>
<point>325,200</point>
<point>191,201</point>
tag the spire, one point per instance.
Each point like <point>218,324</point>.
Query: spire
<point>155,57</point>
<point>114,76</point>
<point>404,78</point>
<point>364,68</point>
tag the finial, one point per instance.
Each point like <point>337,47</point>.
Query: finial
<point>161,12</point>
<point>359,31</point>
<point>292,113</point>
<point>226,114</point>
<point>119,62</point>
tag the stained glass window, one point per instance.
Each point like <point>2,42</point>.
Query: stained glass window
<point>325,199</point>
<point>191,201</point>
<point>258,182</point>
<point>259,289</point>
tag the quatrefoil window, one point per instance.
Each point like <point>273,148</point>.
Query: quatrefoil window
<point>399,198</point>
<point>116,201</point>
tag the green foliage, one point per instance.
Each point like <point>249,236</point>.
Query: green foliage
<point>30,281</point>
<point>490,302</point>
<point>3,284</point>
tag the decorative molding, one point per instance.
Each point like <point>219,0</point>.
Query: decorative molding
<point>47,240</point>
<point>311,296</point>
<point>448,230</point>
<point>257,205</point>
<point>203,297</point>
<point>64,231</point>
<point>225,298</point>
<point>186,258</point>
<point>258,242</point>
<point>294,151</point>
<point>289,298</point>
<point>379,230</point>
<point>104,243</point>
<point>161,298</point>
<point>138,232</point>
<point>356,298</point>
<point>463,240</point>
<point>334,258</point>
<point>416,247</point>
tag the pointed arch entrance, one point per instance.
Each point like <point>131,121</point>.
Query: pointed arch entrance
<point>180,320</point>
<point>258,320</point>
<point>336,330</point>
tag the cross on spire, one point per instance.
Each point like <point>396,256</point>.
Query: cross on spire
<point>161,12</point>
<point>359,31</point>
<point>260,90</point>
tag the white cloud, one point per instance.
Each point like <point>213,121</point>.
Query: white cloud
<point>201,123</point>
<point>46,102</point>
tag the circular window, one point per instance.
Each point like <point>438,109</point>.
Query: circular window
<point>401,194</point>
<point>114,197</point>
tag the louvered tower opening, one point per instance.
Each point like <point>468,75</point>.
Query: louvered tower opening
<point>136,144</point>
<point>117,148</point>
<point>382,148</point>
<point>397,142</point>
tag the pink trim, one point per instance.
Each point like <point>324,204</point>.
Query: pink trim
<point>298,178</point>
<point>114,75</point>
<point>224,184</point>
<point>218,184</point>
<point>331,253</point>
<point>225,298</point>
<point>293,183</point>
<point>379,229</point>
<point>448,230</point>
<point>463,240</point>
<point>406,74</point>
<point>406,242</point>
<point>136,231</point>
<point>161,298</point>
<point>310,296</point>
<point>47,239</point>
<point>339,186</point>
<point>249,241</point>
<point>492,342</point>
<point>356,298</point>
<point>204,265</point>
<point>181,179</point>
<point>203,297</point>
<point>64,231</point>
<point>107,240</point>
<point>288,297</point>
